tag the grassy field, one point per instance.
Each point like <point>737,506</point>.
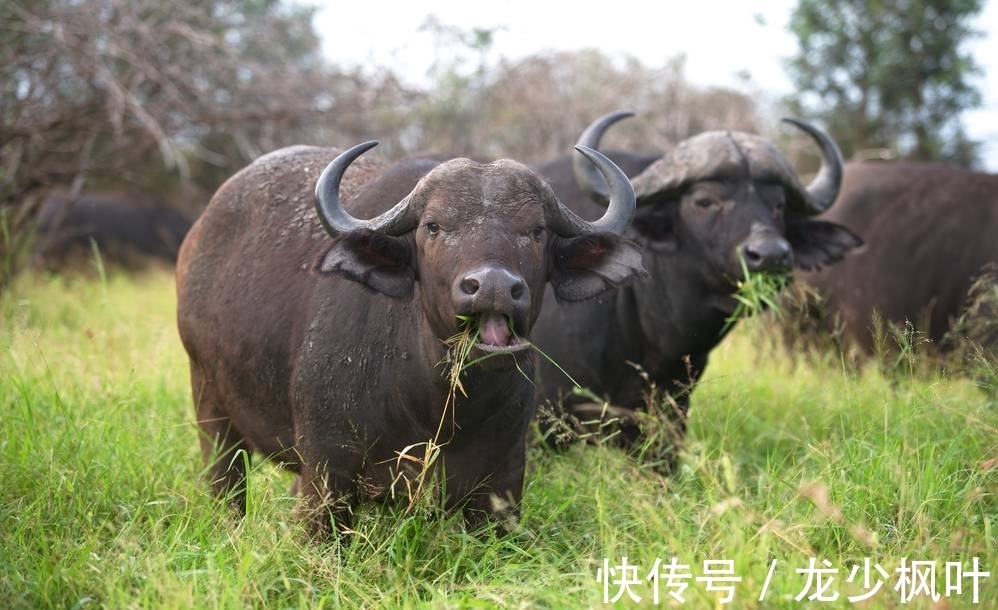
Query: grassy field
<point>788,466</point>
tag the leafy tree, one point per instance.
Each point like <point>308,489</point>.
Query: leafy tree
<point>887,74</point>
<point>147,95</point>
<point>534,108</point>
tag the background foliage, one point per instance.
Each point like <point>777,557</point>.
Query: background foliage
<point>174,98</point>
<point>102,503</point>
<point>889,78</point>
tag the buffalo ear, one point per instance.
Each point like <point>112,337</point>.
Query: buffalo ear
<point>817,243</point>
<point>586,266</point>
<point>378,261</point>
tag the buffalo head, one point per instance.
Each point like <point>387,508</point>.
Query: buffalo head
<point>481,240</point>
<point>726,196</point>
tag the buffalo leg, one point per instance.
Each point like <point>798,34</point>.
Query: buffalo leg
<point>327,501</point>
<point>222,445</point>
<point>491,498</point>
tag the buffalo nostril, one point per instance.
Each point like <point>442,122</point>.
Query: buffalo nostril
<point>517,290</point>
<point>752,257</point>
<point>469,285</point>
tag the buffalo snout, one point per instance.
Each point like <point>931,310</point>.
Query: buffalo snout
<point>492,289</point>
<point>767,252</point>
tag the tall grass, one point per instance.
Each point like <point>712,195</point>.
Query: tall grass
<point>103,503</point>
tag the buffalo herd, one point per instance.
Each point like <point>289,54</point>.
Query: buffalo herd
<point>129,230</point>
<point>365,323</point>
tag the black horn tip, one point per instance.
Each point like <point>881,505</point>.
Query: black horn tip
<point>801,124</point>
<point>617,115</point>
<point>340,163</point>
<point>592,134</point>
<point>361,148</point>
<point>592,154</point>
<point>825,141</point>
<point>350,155</point>
<point>589,179</point>
<point>589,152</point>
<point>807,127</point>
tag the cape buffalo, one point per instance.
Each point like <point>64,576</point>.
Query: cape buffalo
<point>128,229</point>
<point>326,354</point>
<point>929,230</point>
<point>719,197</point>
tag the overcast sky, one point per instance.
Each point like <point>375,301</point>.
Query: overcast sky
<point>722,39</point>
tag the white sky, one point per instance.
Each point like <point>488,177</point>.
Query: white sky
<point>721,39</point>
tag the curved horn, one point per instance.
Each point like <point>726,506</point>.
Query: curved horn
<point>823,190</point>
<point>586,175</point>
<point>619,209</point>
<point>336,220</point>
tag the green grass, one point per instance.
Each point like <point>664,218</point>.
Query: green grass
<point>102,502</point>
<point>756,293</point>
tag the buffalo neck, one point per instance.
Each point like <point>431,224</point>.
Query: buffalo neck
<point>677,314</point>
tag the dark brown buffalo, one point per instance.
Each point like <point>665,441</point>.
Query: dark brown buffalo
<point>128,230</point>
<point>929,229</point>
<point>318,339</point>
<point>717,197</point>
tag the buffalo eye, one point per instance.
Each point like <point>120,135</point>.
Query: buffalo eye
<point>704,202</point>
<point>432,227</point>
<point>538,232</point>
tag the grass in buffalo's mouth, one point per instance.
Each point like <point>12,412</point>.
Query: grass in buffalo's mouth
<point>461,345</point>
<point>459,348</point>
<point>755,293</point>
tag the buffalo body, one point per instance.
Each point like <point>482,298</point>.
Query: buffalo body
<point>929,230</point>
<point>718,199</point>
<point>318,340</point>
<point>128,230</point>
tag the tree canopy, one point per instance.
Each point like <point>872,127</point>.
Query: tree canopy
<point>153,96</point>
<point>888,77</point>
<point>173,98</point>
<point>91,88</point>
